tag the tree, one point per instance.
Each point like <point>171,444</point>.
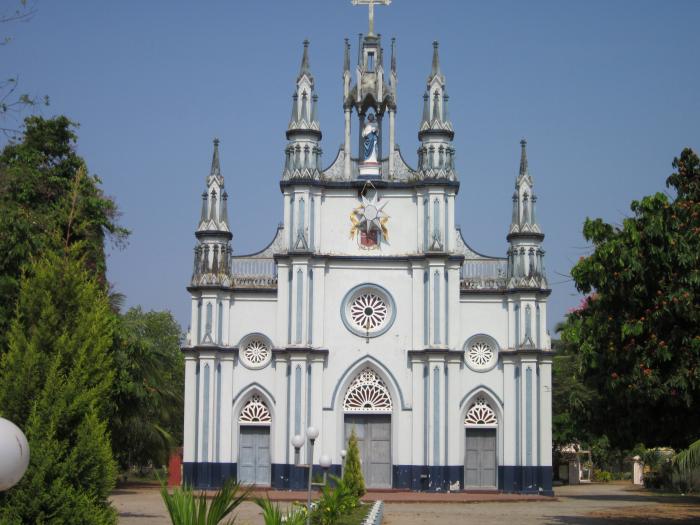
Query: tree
<point>147,392</point>
<point>638,330</point>
<point>48,201</point>
<point>352,473</point>
<point>54,383</point>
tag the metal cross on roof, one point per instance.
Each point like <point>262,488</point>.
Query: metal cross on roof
<point>371,4</point>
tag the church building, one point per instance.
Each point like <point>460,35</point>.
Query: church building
<point>368,311</point>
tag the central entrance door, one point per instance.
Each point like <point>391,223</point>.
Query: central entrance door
<point>480,458</point>
<point>373,433</point>
<point>254,455</point>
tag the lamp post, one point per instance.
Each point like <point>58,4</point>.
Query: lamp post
<point>325,462</point>
<point>343,453</point>
<point>297,443</point>
<point>14,451</point>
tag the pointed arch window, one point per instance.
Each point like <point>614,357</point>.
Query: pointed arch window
<point>480,414</point>
<point>255,412</point>
<point>367,394</point>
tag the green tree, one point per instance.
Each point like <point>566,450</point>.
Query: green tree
<point>638,330</point>
<point>48,201</point>
<point>55,381</point>
<point>352,473</point>
<point>147,391</point>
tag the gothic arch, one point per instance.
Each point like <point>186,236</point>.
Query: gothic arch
<point>246,393</point>
<point>482,392</point>
<point>367,394</point>
<point>341,387</point>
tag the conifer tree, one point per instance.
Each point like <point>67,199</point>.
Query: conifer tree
<point>55,381</point>
<point>352,475</point>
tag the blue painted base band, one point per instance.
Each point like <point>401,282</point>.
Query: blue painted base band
<point>528,480</point>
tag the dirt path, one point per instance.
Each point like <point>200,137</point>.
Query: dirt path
<point>612,504</point>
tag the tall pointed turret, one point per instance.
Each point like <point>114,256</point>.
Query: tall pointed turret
<point>436,154</point>
<point>303,151</point>
<point>213,250</point>
<point>525,256</point>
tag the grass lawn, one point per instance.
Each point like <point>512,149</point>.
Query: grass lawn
<point>356,516</point>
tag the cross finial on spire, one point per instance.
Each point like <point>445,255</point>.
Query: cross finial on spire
<point>371,4</point>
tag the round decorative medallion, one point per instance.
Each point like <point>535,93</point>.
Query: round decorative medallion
<point>481,353</point>
<point>368,310</point>
<point>255,351</point>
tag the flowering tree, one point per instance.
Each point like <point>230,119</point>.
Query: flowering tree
<point>637,333</point>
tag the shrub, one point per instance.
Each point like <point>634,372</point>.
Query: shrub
<point>272,515</point>
<point>352,474</point>
<point>334,503</point>
<point>602,476</point>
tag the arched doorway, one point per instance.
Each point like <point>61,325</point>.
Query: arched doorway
<point>254,442</point>
<point>368,406</point>
<point>480,462</point>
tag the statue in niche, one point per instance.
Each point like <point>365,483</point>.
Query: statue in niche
<point>369,133</point>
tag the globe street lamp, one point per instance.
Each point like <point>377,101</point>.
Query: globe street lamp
<point>343,453</point>
<point>14,454</point>
<point>325,462</point>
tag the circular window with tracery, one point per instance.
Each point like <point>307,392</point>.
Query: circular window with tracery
<point>481,353</point>
<point>368,310</point>
<point>255,351</point>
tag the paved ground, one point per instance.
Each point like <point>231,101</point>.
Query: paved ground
<point>612,504</point>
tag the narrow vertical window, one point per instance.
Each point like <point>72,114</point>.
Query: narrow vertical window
<point>208,320</point>
<point>300,304</point>
<point>220,324</point>
<point>436,308</point>
<point>205,415</point>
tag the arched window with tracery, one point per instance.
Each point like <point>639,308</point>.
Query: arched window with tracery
<point>480,414</point>
<point>255,412</point>
<point>367,393</point>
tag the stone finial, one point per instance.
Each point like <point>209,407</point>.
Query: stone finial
<point>435,70</point>
<point>523,157</point>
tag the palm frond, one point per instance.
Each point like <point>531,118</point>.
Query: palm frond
<point>686,461</point>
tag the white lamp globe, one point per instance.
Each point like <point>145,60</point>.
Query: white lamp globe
<point>14,454</point>
<point>312,432</point>
<point>324,461</point>
<point>298,441</point>
<point>343,453</point>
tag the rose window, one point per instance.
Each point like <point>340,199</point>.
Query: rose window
<point>481,353</point>
<point>255,351</point>
<point>368,310</point>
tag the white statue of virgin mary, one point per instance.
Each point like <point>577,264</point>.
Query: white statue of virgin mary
<point>369,133</point>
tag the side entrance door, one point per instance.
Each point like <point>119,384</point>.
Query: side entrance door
<point>480,458</point>
<point>254,455</point>
<point>374,439</point>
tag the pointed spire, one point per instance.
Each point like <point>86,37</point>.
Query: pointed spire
<point>204,207</point>
<point>215,164</point>
<point>346,57</point>
<point>436,107</point>
<point>295,108</point>
<point>393,55</point>
<point>435,71</point>
<point>445,100</point>
<point>314,108</point>
<point>523,157</point>
<point>304,69</point>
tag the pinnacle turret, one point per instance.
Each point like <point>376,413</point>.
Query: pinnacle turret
<point>525,256</point>
<point>213,234</point>
<point>303,152</point>
<point>436,154</point>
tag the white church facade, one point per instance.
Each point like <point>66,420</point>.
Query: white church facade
<point>369,311</point>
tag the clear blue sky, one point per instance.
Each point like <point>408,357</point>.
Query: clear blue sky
<point>606,92</point>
